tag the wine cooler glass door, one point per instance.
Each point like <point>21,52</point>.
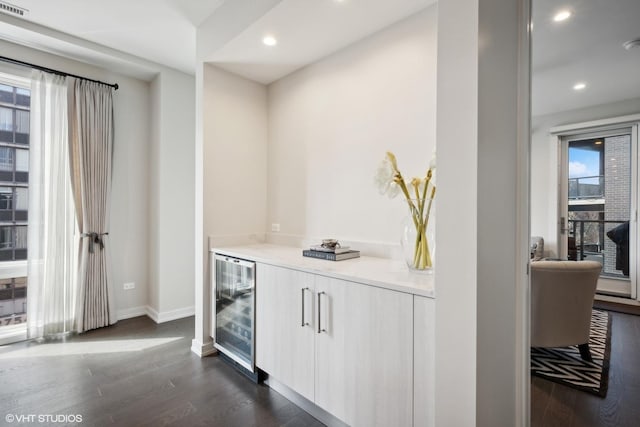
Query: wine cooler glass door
<point>235,309</point>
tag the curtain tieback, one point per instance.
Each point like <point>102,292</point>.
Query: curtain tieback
<point>96,238</point>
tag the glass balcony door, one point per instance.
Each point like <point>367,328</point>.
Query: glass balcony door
<point>598,206</point>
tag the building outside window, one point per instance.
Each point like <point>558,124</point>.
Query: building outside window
<point>15,101</point>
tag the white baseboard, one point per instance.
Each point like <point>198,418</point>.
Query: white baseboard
<point>128,313</point>
<point>203,349</point>
<point>158,317</point>
<point>152,313</point>
<point>167,316</point>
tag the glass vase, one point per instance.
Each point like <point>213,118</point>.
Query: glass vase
<point>418,235</point>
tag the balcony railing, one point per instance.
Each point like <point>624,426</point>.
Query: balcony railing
<point>586,187</point>
<point>13,295</point>
<point>587,240</point>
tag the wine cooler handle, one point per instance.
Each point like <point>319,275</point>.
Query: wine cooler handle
<point>320,329</point>
<point>303,316</point>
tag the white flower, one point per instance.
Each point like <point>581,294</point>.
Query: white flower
<point>432,163</point>
<point>394,190</point>
<point>419,194</point>
<point>384,176</point>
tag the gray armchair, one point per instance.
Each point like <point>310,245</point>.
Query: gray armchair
<point>562,295</point>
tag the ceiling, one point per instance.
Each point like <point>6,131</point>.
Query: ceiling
<point>138,35</point>
<point>306,30</point>
<point>164,31</point>
<point>586,48</point>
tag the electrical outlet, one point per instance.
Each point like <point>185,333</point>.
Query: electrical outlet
<point>129,286</point>
<point>275,227</point>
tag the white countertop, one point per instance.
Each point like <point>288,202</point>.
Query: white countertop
<point>381,272</point>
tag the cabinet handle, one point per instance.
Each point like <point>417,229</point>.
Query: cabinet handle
<point>303,316</point>
<point>320,329</point>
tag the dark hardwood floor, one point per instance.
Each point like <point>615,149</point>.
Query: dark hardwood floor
<point>557,405</point>
<point>135,373</point>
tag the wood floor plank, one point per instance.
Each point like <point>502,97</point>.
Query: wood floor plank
<point>169,385</point>
<point>540,396</point>
<point>560,411</point>
<point>156,386</point>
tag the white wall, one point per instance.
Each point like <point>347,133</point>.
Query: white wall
<point>129,208</point>
<point>153,297</point>
<point>481,370</point>
<point>456,232</point>
<point>171,289</point>
<point>331,123</point>
<point>211,34</point>
<point>235,156</point>
<point>128,233</point>
<point>544,164</point>
<point>502,343</point>
<point>231,147</point>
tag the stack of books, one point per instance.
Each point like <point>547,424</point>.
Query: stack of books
<point>331,254</point>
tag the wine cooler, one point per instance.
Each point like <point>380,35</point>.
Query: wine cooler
<point>235,284</point>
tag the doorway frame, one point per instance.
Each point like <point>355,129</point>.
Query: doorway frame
<point>562,133</point>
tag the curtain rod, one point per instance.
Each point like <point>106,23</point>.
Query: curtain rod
<point>51,70</point>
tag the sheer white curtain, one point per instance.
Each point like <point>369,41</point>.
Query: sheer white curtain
<point>52,248</point>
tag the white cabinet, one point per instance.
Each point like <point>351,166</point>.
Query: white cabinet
<point>332,360</point>
<point>284,346</point>
<point>378,353</point>
<point>424,312</point>
<point>354,358</point>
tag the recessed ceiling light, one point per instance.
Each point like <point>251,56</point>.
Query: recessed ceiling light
<point>270,41</point>
<point>563,15</point>
<point>598,142</point>
<point>579,86</point>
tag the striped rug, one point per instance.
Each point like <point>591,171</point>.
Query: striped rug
<point>565,366</point>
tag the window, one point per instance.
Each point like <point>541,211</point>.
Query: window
<point>6,198</point>
<point>6,94</point>
<point>14,114</point>
<point>22,127</point>
<point>6,119</point>
<point>21,198</point>
<point>6,238</point>
<point>23,97</point>
<point>14,197</point>
<point>6,159</point>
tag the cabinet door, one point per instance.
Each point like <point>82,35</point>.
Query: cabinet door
<point>331,365</point>
<point>364,360</point>
<point>424,317</point>
<point>284,347</point>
